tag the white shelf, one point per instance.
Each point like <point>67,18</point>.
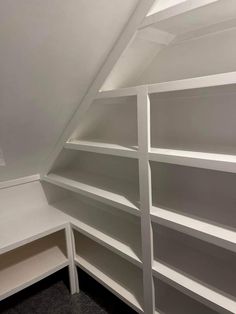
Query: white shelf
<point>171,301</point>
<point>119,276</point>
<point>215,80</point>
<point>114,229</point>
<point>121,196</point>
<point>206,231</point>
<point>102,148</point>
<point>32,262</point>
<point>193,288</point>
<point>203,269</point>
<point>14,231</point>
<point>220,162</point>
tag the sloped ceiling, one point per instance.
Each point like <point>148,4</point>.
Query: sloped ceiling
<point>50,51</point>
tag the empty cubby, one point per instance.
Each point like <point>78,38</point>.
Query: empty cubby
<point>203,262</point>
<point>111,120</point>
<point>206,194</point>
<point>120,276</point>
<point>117,229</point>
<point>195,120</point>
<point>169,300</point>
<point>101,176</point>
<point>31,262</point>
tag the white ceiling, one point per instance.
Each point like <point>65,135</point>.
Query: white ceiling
<point>50,53</point>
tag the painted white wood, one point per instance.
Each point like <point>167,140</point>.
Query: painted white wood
<point>173,11</point>
<point>31,263</point>
<point>132,25</point>
<point>194,83</point>
<point>74,283</point>
<point>114,93</point>
<point>20,227</point>
<point>102,148</point>
<point>119,276</point>
<point>156,35</point>
<point>145,196</point>
<point>86,186</point>
<point>220,162</point>
<point>206,231</point>
<point>24,180</point>
<point>195,289</point>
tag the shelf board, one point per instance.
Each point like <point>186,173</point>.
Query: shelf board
<point>215,80</point>
<point>101,225</point>
<point>102,148</point>
<point>118,275</point>
<point>28,264</point>
<point>220,162</point>
<point>211,233</point>
<point>97,187</point>
<point>23,226</point>
<point>115,93</point>
<point>193,288</point>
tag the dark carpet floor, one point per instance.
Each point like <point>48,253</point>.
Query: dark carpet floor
<point>51,296</point>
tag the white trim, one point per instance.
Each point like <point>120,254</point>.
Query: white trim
<point>19,181</point>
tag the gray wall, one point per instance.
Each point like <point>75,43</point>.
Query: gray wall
<point>50,52</point>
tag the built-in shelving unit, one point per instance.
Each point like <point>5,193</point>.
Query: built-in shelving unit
<point>31,262</point>
<point>144,175</point>
<point>169,195</point>
<point>121,277</point>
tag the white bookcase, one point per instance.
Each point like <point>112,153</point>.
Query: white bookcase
<point>161,213</point>
<point>149,176</point>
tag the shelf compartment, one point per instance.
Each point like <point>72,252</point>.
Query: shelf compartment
<point>169,300</point>
<point>202,194</point>
<point>202,268</point>
<point>192,120</point>
<point>102,148</point>
<point>118,275</point>
<point>110,179</point>
<point>110,121</point>
<point>220,162</point>
<point>32,262</point>
<point>211,233</point>
<point>115,229</point>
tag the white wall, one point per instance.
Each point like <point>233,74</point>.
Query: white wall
<point>51,51</point>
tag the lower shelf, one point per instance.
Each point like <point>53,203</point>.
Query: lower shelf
<point>206,271</point>
<point>32,262</point>
<point>118,275</point>
<point>169,300</point>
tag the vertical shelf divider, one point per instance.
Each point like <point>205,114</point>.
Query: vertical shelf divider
<point>73,274</point>
<point>143,104</point>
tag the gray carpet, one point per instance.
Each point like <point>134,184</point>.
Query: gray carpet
<point>51,296</point>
